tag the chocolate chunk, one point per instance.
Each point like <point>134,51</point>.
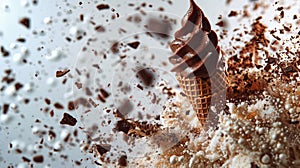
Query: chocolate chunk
<point>100,28</point>
<point>18,86</point>
<point>102,149</point>
<point>104,93</point>
<point>38,159</point>
<point>62,73</point>
<point>68,120</point>
<point>102,6</point>
<point>5,108</point>
<point>25,22</point>
<point>134,45</point>
<point>71,105</point>
<point>4,52</point>
<point>22,40</point>
<point>124,126</point>
<point>58,106</point>
<point>146,75</point>
<point>232,13</point>
<point>25,159</point>
<point>123,161</point>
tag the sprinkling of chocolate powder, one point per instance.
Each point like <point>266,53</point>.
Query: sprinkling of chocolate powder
<point>38,159</point>
<point>62,73</point>
<point>25,21</point>
<point>68,120</point>
<point>134,45</point>
<point>102,6</point>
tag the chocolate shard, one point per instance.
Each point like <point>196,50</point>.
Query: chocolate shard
<point>68,120</point>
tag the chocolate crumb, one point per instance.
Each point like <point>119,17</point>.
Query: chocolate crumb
<point>4,52</point>
<point>62,73</point>
<point>58,106</point>
<point>38,159</point>
<point>134,45</point>
<point>123,161</point>
<point>21,40</point>
<point>102,6</point>
<point>146,75</point>
<point>232,13</point>
<point>25,22</point>
<point>100,28</point>
<point>68,120</point>
<point>48,101</point>
<point>5,108</point>
<point>25,159</point>
<point>102,149</point>
<point>104,93</point>
<point>124,126</point>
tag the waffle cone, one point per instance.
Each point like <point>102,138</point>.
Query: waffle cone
<point>201,91</point>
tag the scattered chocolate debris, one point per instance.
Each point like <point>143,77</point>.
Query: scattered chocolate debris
<point>58,106</point>
<point>68,120</point>
<point>4,52</point>
<point>134,45</point>
<point>62,73</point>
<point>100,29</point>
<point>25,21</point>
<point>123,161</point>
<point>146,75</point>
<point>102,6</point>
<point>38,159</point>
<point>232,13</point>
<point>102,149</point>
<point>5,108</point>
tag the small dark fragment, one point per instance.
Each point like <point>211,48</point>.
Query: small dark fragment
<point>102,149</point>
<point>68,120</point>
<point>221,23</point>
<point>100,28</point>
<point>104,93</point>
<point>21,40</point>
<point>5,108</point>
<point>71,105</point>
<point>124,126</point>
<point>18,86</point>
<point>102,6</point>
<point>115,47</point>
<point>146,75</point>
<point>4,52</point>
<point>134,45</point>
<point>62,73</point>
<point>38,159</point>
<point>25,159</point>
<point>25,22</point>
<point>58,106</point>
<point>123,161</point>
<point>232,13</point>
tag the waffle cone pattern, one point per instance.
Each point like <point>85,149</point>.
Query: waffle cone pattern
<point>200,92</point>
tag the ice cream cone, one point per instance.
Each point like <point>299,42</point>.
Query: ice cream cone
<point>200,92</point>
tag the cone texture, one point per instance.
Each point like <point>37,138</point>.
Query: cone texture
<point>200,92</point>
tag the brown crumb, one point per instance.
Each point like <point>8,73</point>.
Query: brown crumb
<point>134,45</point>
<point>123,161</point>
<point>62,73</point>
<point>38,159</point>
<point>102,6</point>
<point>25,21</point>
<point>68,120</point>
<point>232,13</point>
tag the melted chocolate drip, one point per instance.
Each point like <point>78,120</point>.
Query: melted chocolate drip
<point>195,48</point>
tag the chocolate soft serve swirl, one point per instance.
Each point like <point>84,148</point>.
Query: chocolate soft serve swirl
<point>195,48</point>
